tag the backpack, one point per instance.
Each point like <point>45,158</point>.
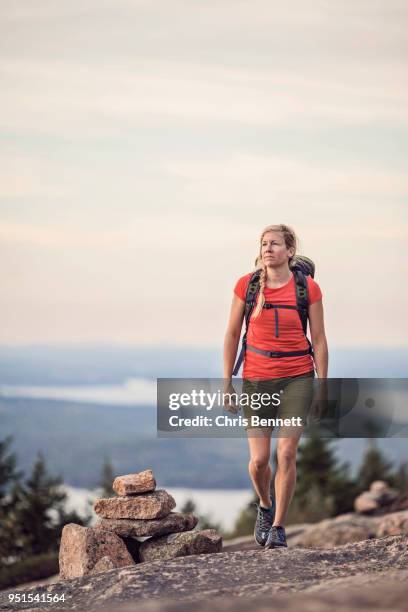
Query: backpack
<point>301,267</point>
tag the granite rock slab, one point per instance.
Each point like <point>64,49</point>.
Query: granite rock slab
<point>174,522</point>
<point>156,504</point>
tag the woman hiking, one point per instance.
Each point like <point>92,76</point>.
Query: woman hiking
<point>278,358</point>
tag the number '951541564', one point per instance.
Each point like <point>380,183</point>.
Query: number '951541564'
<point>39,597</point>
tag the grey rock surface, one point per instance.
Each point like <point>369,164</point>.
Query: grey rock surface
<point>242,576</point>
<point>384,592</point>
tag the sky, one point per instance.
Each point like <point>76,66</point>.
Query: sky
<point>144,145</point>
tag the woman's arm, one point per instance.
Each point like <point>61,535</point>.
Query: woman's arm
<point>318,337</point>
<point>232,335</point>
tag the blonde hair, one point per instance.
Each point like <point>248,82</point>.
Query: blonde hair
<point>291,241</point>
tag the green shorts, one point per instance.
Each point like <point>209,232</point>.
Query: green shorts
<point>292,398</point>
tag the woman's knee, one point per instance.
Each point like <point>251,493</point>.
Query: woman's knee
<point>286,457</point>
<point>259,462</point>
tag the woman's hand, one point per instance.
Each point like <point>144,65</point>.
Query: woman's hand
<point>229,403</point>
<point>320,402</point>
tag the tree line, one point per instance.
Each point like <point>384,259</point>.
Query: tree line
<point>32,516</point>
<point>325,486</point>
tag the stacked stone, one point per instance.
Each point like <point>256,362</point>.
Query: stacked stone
<point>136,526</point>
<point>380,499</point>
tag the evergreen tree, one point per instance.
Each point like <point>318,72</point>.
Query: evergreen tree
<point>107,478</point>
<point>189,507</point>
<point>324,487</point>
<point>204,521</point>
<point>374,466</point>
<point>8,472</point>
<point>9,476</point>
<point>400,479</point>
<point>244,524</point>
<point>39,513</point>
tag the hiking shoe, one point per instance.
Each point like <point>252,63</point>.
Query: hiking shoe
<point>263,523</point>
<point>276,537</point>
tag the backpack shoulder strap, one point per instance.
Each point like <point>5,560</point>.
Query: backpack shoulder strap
<point>302,267</point>
<point>250,300</point>
<point>251,294</point>
<point>302,297</point>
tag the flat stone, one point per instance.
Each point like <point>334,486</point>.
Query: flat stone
<point>379,486</point>
<point>141,482</point>
<point>174,522</point>
<point>180,545</point>
<point>393,524</point>
<point>379,496</point>
<point>156,504</point>
<point>366,503</point>
<point>85,550</point>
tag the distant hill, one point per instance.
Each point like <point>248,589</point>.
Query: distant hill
<point>104,364</point>
<point>76,437</point>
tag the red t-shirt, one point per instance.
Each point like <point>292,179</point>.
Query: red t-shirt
<point>261,332</point>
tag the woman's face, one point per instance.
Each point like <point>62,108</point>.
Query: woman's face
<point>273,250</point>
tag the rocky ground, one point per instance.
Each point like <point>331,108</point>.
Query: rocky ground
<point>369,574</point>
<point>343,529</point>
<point>142,556</point>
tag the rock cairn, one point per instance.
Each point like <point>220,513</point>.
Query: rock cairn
<point>135,527</point>
<point>380,499</point>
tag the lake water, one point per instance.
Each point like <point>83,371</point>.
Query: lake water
<point>222,506</point>
<point>131,392</point>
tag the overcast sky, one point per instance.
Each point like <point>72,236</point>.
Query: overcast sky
<point>145,144</point>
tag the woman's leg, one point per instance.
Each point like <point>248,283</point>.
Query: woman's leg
<point>259,468</point>
<point>295,402</point>
<point>285,477</point>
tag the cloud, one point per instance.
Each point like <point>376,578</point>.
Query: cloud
<point>146,140</point>
<point>56,95</point>
<point>290,176</point>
